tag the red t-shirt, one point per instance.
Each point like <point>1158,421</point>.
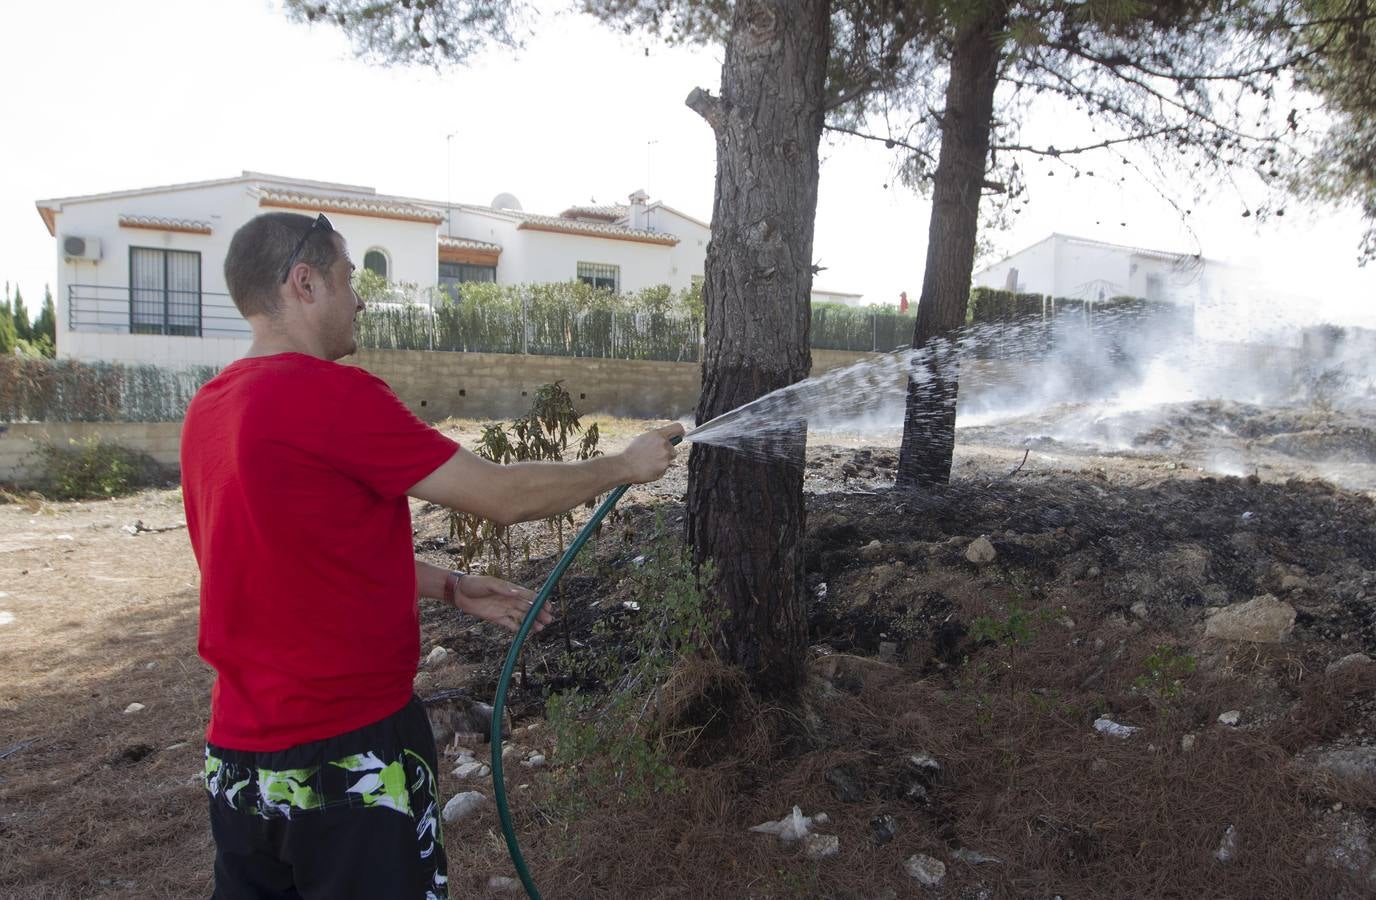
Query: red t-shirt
<point>294,475</point>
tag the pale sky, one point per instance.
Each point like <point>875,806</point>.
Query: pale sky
<point>102,96</point>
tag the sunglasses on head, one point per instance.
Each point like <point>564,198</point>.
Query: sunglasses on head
<point>320,224</point>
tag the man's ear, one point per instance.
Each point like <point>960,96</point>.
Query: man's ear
<point>299,283</point>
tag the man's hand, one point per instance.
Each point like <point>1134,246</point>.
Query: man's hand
<point>649,455</point>
<point>497,601</point>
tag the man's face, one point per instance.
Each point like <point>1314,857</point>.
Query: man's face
<point>340,305</point>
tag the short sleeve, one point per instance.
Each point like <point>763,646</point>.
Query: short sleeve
<point>377,441</point>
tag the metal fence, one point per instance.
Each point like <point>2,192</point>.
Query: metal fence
<point>152,310</point>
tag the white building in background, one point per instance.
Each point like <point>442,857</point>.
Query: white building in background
<point>140,273</point>
<point>1065,266</point>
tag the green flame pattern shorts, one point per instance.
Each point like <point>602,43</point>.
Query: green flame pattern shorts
<point>354,816</point>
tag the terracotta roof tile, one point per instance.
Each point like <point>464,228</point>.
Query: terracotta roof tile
<point>379,207</point>
<point>158,223</point>
<point>462,243</point>
<point>595,229</point>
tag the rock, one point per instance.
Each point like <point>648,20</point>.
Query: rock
<point>884,828</point>
<point>1230,718</point>
<point>534,761</point>
<point>1066,622</point>
<point>821,846</point>
<point>1350,663</point>
<point>1350,848</point>
<point>134,708</point>
<point>1099,766</point>
<point>1294,583</point>
<point>463,804</point>
<point>503,885</point>
<point>1262,620</point>
<point>1105,725</point>
<point>1187,742</point>
<point>872,551</point>
<point>974,857</point>
<point>887,650</point>
<point>845,785</point>
<point>6,617</point>
<point>980,552</point>
<point>1227,847</point>
<point>926,870</point>
<point>926,765</point>
<point>1139,609</point>
<point>472,769</point>
<point>1356,765</point>
<point>437,656</point>
<point>820,818</point>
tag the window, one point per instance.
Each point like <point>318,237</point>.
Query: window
<point>600,276</point>
<point>375,260</point>
<point>164,291</point>
<point>454,274</point>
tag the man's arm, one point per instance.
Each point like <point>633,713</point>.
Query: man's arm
<point>523,492</point>
<point>483,597</point>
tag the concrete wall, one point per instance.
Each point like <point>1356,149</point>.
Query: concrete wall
<point>436,386</point>
<point>501,385</point>
<point>19,462</point>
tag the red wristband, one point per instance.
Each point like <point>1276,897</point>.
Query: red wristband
<point>451,587</point>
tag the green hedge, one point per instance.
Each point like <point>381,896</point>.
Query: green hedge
<point>46,390</point>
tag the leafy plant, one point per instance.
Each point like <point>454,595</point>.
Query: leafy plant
<point>603,741</point>
<point>1011,632</point>
<point>92,468</point>
<point>1164,677</point>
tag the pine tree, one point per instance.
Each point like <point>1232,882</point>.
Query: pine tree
<point>8,339</point>
<point>45,326</point>
<point>22,328</point>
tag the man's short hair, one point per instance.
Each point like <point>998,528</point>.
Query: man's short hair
<point>259,250</point>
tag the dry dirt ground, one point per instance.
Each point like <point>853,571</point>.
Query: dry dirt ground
<point>964,642</point>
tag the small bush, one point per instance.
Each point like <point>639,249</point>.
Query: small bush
<point>93,468</point>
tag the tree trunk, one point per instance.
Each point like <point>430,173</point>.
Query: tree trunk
<point>929,425</point>
<point>744,515</point>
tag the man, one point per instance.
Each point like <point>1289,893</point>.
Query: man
<point>296,470</point>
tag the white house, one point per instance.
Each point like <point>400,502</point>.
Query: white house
<point>1065,266</point>
<point>140,272</point>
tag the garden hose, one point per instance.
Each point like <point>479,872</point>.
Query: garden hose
<point>499,703</point>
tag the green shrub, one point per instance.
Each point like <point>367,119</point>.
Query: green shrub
<point>92,468</point>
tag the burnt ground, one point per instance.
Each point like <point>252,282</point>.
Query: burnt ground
<point>1107,552</point>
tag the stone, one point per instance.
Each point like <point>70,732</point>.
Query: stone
<point>472,769</point>
<point>821,846</point>
<point>1230,718</point>
<point>872,551</point>
<point>1227,847</point>
<point>1105,725</point>
<point>1357,764</point>
<point>926,765</point>
<point>981,551</point>
<point>845,785</point>
<point>1187,742</point>
<point>925,870</point>
<point>463,804</point>
<point>1139,609</point>
<point>437,656</point>
<point>534,761</point>
<point>1350,663</point>
<point>1261,620</point>
<point>1294,583</point>
<point>974,857</point>
<point>6,617</point>
<point>884,828</point>
<point>134,708</point>
<point>887,650</point>
<point>504,885</point>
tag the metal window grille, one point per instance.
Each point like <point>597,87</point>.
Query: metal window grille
<point>451,275</point>
<point>375,261</point>
<point>600,275</point>
<point>164,291</point>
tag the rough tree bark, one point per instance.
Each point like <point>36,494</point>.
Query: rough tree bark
<point>929,425</point>
<point>747,515</point>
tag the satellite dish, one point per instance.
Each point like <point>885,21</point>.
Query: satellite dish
<point>506,201</point>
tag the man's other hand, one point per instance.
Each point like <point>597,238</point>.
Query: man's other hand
<point>497,601</point>
<point>649,455</point>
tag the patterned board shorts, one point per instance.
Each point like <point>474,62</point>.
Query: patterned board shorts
<point>355,815</point>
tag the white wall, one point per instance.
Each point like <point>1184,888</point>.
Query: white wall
<point>1036,267</point>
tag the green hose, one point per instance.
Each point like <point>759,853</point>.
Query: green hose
<point>498,704</point>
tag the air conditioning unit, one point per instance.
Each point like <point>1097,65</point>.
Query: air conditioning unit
<point>74,247</point>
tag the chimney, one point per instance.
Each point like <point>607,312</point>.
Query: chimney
<point>638,218</point>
